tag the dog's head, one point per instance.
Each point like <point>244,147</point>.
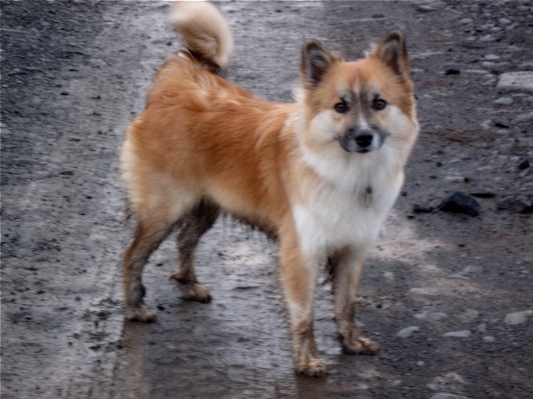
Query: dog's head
<point>361,105</point>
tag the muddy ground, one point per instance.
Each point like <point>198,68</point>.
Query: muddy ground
<point>448,296</point>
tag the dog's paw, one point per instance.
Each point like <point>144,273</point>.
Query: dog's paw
<point>360,346</point>
<point>140,313</point>
<point>312,367</point>
<point>195,292</point>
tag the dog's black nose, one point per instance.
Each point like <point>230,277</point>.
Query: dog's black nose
<point>364,139</point>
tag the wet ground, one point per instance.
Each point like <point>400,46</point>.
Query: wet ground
<point>448,296</point>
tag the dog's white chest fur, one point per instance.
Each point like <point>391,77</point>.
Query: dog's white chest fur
<point>348,212</point>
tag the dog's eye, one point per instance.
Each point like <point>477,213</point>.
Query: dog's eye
<point>341,107</point>
<point>379,104</point>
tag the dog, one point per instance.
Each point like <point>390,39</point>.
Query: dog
<point>319,175</point>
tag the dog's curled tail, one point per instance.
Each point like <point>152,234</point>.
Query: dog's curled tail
<point>205,32</point>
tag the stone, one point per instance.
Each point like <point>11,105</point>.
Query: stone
<point>526,66</point>
<point>512,204</point>
<point>489,339</point>
<point>468,316</point>
<point>436,316</point>
<point>419,291</point>
<point>388,276</point>
<point>524,165</point>
<point>463,274</point>
<point>460,202</point>
<point>524,118</point>
<point>457,334</point>
<point>425,8</point>
<point>516,318</point>
<point>503,101</point>
<point>445,395</point>
<point>496,67</point>
<point>423,208</point>
<point>480,191</point>
<point>519,81</point>
<point>456,179</point>
<point>501,124</point>
<point>407,331</point>
<point>449,381</point>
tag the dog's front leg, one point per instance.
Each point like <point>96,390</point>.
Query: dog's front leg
<point>298,276</point>
<point>346,267</point>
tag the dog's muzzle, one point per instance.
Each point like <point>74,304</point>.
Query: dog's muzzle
<point>360,141</point>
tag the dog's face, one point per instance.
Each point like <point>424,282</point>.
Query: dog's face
<point>359,106</point>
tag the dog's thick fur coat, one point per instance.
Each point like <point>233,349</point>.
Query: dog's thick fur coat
<point>320,175</point>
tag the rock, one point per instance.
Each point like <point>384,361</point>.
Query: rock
<point>517,317</point>
<point>489,339</point>
<point>445,395</point>
<point>513,204</point>
<point>486,125</point>
<point>468,316</point>
<point>407,332</point>
<point>524,118</point>
<point>425,8</point>
<point>388,276</point>
<point>457,334</point>
<point>503,101</point>
<point>524,165</point>
<point>451,381</point>
<point>436,316</point>
<point>465,272</point>
<point>452,71</point>
<point>492,57</point>
<point>504,21</point>
<point>482,191</point>
<point>501,124</point>
<point>460,202</point>
<point>419,291</point>
<point>456,179</point>
<point>425,208</point>
<point>519,81</point>
<point>526,66</point>
<point>496,67</point>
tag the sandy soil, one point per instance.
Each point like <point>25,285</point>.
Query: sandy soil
<point>448,296</point>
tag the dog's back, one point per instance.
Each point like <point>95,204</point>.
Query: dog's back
<point>202,136</point>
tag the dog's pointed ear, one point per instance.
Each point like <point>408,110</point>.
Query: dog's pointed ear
<point>393,52</point>
<point>316,61</point>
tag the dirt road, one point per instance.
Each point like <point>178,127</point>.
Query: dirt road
<point>448,296</point>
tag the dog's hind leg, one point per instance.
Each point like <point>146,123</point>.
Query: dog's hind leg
<point>198,222</point>
<point>163,206</point>
<point>148,236</point>
<point>346,267</point>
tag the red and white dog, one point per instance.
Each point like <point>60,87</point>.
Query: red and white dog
<point>319,175</point>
